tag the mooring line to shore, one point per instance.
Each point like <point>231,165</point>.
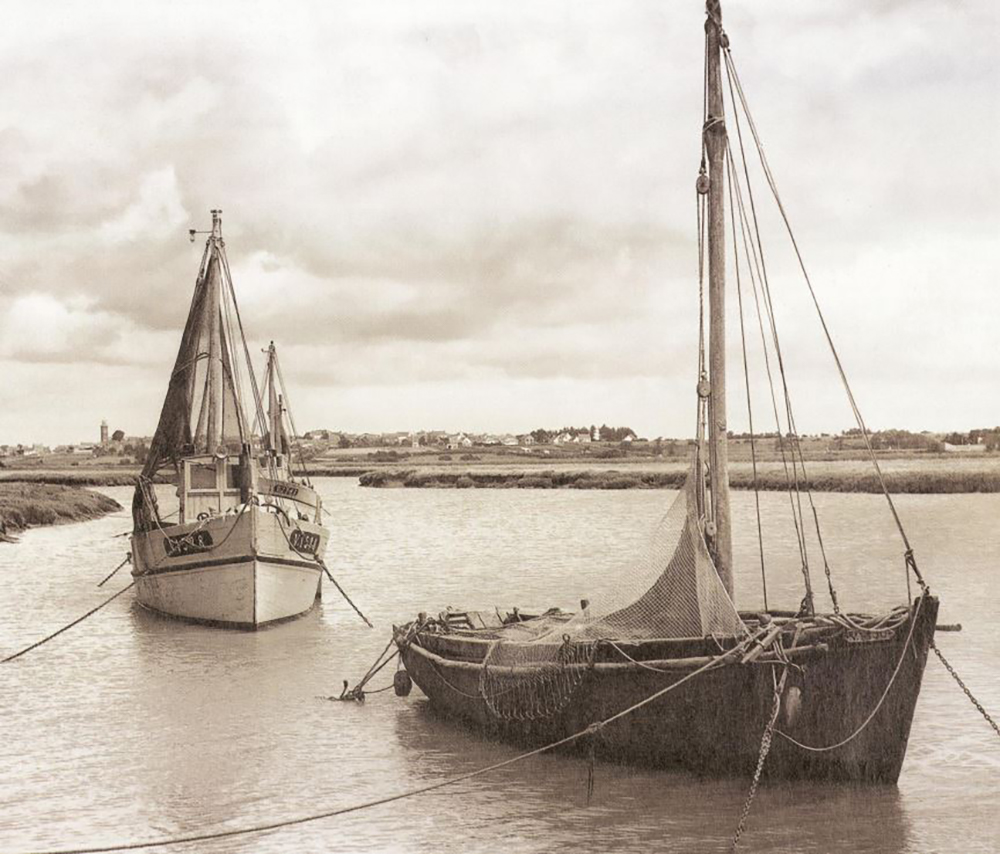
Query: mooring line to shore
<point>69,625</point>
<point>107,578</point>
<point>409,793</point>
<point>965,689</point>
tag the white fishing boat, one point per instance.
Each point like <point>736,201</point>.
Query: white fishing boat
<point>245,545</point>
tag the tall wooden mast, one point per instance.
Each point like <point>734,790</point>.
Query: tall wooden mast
<point>215,382</point>
<point>715,142</point>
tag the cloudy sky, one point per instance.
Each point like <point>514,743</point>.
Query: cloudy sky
<point>470,215</point>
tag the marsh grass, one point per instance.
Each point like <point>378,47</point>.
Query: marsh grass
<point>25,505</point>
<point>901,476</point>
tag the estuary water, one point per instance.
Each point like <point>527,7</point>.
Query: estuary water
<point>131,727</point>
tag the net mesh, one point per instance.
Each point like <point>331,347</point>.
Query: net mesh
<point>672,590</point>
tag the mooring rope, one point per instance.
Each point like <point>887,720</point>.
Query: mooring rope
<point>69,626</point>
<point>965,689</point>
<point>409,793</point>
<point>128,559</point>
<point>344,594</point>
<point>322,563</point>
<point>358,691</point>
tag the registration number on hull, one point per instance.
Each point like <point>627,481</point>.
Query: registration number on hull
<point>188,544</point>
<point>304,541</point>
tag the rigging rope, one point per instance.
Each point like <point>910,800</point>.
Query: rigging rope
<point>291,419</point>
<point>757,250</point>
<point>734,87</point>
<point>746,376</point>
<point>772,184</point>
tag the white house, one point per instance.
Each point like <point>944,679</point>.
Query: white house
<point>964,449</point>
<point>459,440</point>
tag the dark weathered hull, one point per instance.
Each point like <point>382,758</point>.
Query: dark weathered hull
<point>713,723</point>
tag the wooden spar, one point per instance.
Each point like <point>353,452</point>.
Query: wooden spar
<point>273,404</point>
<point>215,389</point>
<point>715,141</point>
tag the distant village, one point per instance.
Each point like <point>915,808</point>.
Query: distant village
<point>132,449</point>
<point>442,439</point>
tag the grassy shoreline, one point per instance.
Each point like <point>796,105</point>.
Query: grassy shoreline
<point>28,505</point>
<point>822,477</point>
<point>904,472</point>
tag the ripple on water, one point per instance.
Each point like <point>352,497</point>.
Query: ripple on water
<point>133,726</point>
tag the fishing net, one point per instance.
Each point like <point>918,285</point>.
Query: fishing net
<point>672,590</point>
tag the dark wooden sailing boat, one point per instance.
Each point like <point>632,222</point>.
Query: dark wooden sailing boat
<point>666,671</point>
<point>246,545</point>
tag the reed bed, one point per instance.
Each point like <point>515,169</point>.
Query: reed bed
<point>822,477</point>
<point>25,505</point>
<point>95,477</point>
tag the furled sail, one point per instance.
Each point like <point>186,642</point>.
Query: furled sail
<point>201,412</point>
<point>276,438</point>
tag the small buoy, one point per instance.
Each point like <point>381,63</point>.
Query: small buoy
<point>792,705</point>
<point>401,683</point>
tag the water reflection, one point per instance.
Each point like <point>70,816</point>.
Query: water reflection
<point>175,727</point>
<point>642,810</point>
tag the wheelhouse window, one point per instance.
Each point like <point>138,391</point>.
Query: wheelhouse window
<point>202,477</point>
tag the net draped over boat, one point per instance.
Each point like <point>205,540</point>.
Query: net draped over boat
<point>201,412</point>
<point>672,590</point>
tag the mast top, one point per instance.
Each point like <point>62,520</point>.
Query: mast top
<point>216,232</point>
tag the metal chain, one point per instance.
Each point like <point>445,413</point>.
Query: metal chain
<point>765,748</point>
<point>963,686</point>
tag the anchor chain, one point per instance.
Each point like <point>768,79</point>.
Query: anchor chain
<point>965,688</point>
<point>765,748</point>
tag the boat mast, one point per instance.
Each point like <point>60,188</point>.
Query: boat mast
<point>715,142</point>
<point>216,392</point>
<point>273,403</point>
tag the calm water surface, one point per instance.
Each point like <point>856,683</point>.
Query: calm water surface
<point>132,727</point>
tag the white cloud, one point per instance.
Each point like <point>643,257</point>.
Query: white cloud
<point>473,195</point>
<point>38,326</point>
<point>157,212</point>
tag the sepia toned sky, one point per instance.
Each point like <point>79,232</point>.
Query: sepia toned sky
<point>480,216</point>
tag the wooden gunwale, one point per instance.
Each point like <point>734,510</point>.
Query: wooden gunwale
<point>472,646</point>
<point>689,663</point>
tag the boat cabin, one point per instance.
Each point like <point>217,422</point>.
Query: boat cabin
<point>212,485</point>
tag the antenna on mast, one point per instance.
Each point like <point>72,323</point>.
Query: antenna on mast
<point>215,231</point>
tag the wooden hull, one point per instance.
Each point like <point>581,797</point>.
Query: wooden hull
<point>713,723</point>
<point>236,570</point>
